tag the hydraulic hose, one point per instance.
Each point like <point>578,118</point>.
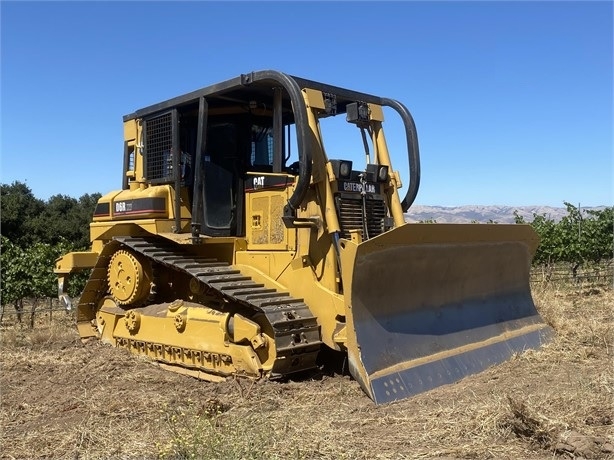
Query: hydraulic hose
<point>302,127</point>
<point>413,151</point>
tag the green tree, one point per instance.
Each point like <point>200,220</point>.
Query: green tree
<point>548,249</point>
<point>66,218</point>
<point>19,210</point>
<point>34,233</point>
<point>598,235</point>
<point>28,274</point>
<point>578,238</point>
<point>14,275</point>
<point>27,220</point>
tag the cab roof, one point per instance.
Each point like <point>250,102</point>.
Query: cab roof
<point>255,86</point>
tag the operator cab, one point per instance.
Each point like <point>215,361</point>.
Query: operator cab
<point>225,133</point>
<point>238,140</point>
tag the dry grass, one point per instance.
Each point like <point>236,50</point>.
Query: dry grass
<point>55,333</point>
<point>64,400</point>
<point>581,317</point>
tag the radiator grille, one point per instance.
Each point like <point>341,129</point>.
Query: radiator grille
<point>158,143</point>
<point>350,216</point>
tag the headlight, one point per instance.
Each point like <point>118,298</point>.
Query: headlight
<point>345,169</point>
<point>377,173</point>
<point>382,174</point>
<point>341,168</point>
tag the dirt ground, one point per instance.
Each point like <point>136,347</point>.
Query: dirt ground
<point>62,399</point>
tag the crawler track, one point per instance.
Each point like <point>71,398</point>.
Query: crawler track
<point>296,332</point>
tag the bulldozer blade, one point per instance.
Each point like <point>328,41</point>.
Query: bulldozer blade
<point>432,303</point>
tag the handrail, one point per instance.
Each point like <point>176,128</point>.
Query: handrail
<point>300,120</point>
<point>413,151</point>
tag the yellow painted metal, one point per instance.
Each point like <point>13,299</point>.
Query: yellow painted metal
<point>315,102</point>
<point>247,331</point>
<point>392,187</point>
<point>379,305</point>
<point>376,113</point>
<point>105,231</point>
<point>130,130</point>
<point>133,136</point>
<point>153,222</point>
<point>265,229</point>
<point>75,261</point>
<point>191,336</point>
<point>319,246</point>
<point>299,275</point>
<point>314,99</point>
<point>356,236</point>
<point>104,321</point>
<point>106,199</point>
<point>118,200</point>
<point>264,266</point>
<point>129,280</point>
<point>325,304</point>
<point>86,330</point>
<point>430,303</point>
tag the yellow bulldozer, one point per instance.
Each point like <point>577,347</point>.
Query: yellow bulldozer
<point>237,247</point>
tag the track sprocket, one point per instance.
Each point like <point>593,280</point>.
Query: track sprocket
<point>129,280</point>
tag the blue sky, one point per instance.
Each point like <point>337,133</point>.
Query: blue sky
<point>512,100</point>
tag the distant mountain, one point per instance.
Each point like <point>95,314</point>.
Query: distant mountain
<point>466,214</point>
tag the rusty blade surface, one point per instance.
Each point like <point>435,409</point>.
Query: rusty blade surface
<point>433,303</point>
